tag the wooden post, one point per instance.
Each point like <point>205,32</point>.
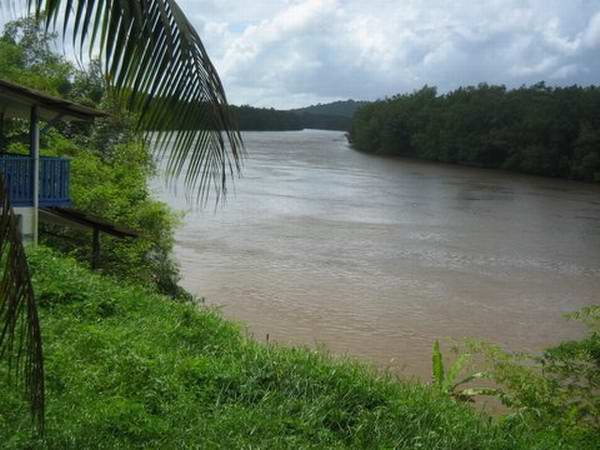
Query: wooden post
<point>35,155</point>
<point>2,144</point>
<point>96,249</point>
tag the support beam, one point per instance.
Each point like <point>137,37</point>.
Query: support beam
<point>35,154</point>
<point>2,143</point>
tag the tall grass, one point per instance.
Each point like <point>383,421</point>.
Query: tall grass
<point>127,368</point>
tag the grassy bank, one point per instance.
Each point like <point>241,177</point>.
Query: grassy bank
<point>128,368</point>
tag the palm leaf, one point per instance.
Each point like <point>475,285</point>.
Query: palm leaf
<point>480,391</point>
<point>155,60</point>
<point>20,336</point>
<point>455,370</point>
<point>472,377</point>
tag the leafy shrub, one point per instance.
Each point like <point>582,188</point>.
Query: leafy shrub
<point>558,390</point>
<point>116,189</point>
<point>449,384</point>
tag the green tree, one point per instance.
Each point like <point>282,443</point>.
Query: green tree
<point>27,56</point>
<point>587,154</point>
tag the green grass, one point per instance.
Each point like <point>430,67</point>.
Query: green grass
<point>127,368</point>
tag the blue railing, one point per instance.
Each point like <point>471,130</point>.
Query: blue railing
<point>54,180</point>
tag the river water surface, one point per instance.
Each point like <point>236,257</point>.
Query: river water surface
<point>377,257</point>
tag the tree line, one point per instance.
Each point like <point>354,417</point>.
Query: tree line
<point>542,130</point>
<point>269,119</point>
<point>344,108</point>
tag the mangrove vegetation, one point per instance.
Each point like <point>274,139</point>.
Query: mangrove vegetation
<point>541,130</point>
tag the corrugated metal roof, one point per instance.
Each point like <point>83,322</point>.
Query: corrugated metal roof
<point>17,100</point>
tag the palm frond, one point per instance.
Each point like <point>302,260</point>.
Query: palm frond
<point>455,369</point>
<point>472,377</point>
<point>154,58</point>
<point>20,336</point>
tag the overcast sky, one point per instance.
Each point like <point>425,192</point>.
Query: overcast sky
<point>289,53</point>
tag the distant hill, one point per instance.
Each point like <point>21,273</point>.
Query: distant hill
<point>345,108</point>
<point>266,119</point>
<point>329,116</point>
<point>324,121</point>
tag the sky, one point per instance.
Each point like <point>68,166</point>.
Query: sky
<point>292,53</point>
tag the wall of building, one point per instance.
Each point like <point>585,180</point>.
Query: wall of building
<point>25,221</point>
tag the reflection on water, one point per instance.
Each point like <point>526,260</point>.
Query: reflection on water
<point>378,257</point>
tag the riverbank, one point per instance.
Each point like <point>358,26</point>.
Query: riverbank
<point>128,368</point>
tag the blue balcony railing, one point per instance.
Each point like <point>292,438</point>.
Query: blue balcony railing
<point>54,180</point>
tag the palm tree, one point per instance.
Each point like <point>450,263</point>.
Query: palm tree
<point>20,336</point>
<point>155,61</point>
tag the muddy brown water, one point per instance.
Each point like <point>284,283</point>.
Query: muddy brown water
<point>377,257</point>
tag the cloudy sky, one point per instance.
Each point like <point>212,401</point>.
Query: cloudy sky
<point>289,53</point>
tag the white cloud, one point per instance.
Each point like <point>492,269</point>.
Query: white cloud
<point>591,36</point>
<point>289,53</point>
<point>566,72</point>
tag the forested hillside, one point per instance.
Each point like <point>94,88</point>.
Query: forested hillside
<point>343,108</point>
<point>266,119</point>
<point>269,119</point>
<point>538,130</point>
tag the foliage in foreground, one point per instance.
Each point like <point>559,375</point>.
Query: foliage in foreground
<point>558,390</point>
<point>450,383</point>
<point>114,185</point>
<point>20,334</point>
<point>129,368</point>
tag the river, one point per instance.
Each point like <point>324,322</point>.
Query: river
<point>377,257</point>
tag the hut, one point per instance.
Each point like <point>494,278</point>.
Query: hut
<point>38,186</point>
<point>35,181</point>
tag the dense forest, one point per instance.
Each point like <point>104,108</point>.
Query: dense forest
<point>538,129</point>
<point>332,116</point>
<point>266,119</point>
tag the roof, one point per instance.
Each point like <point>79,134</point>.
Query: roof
<point>17,100</point>
<point>74,217</point>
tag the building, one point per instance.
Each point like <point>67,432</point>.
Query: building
<point>34,181</point>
